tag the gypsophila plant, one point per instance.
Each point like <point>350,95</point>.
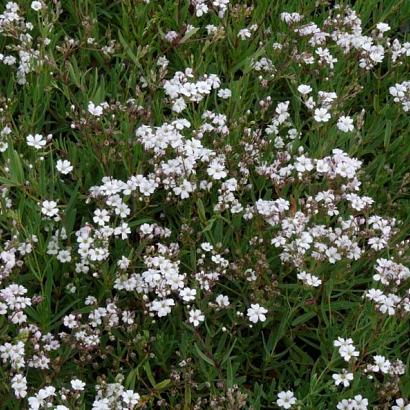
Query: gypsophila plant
<point>204,204</point>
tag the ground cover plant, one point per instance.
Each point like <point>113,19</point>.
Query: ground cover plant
<point>205,204</point>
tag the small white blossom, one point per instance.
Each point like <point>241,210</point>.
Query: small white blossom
<point>224,93</point>
<point>49,208</point>
<point>196,317</point>
<point>343,378</point>
<point>321,115</point>
<point>77,384</point>
<point>95,110</point>
<point>345,124</point>
<point>257,313</point>
<point>36,5</point>
<point>36,141</point>
<point>286,399</point>
<point>64,166</point>
<point>304,89</point>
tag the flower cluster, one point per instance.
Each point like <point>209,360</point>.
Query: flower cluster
<point>343,30</point>
<point>183,88</point>
<point>357,403</point>
<point>390,299</point>
<point>363,366</point>
<point>203,7</point>
<point>28,53</point>
<point>401,94</point>
<point>165,226</point>
<point>115,396</point>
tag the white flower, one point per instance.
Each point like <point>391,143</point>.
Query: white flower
<point>64,256</point>
<point>343,378</point>
<point>3,308</point>
<point>360,402</point>
<point>224,93</point>
<point>346,348</point>
<point>196,317</point>
<point>347,352</point>
<point>304,89</point>
<point>303,164</point>
<point>244,34</point>
<point>35,403</point>
<point>381,364</point>
<point>309,279</point>
<point>216,170</point>
<point>383,27</point>
<point>36,141</point>
<point>162,307</point>
<point>102,404</point>
<point>19,385</point>
<point>179,105</point>
<point>36,5</point>
<point>345,405</point>
<point>64,166</point>
<point>345,124</point>
<point>206,246</point>
<point>342,342</point>
<point>321,115</point>
<point>256,313</point>
<point>322,166</point>
<point>333,255</point>
<point>171,36</point>
<point>187,294</point>
<point>286,399</point>
<point>77,384</point>
<point>70,321</point>
<point>49,208</point>
<point>3,146</point>
<point>96,110</point>
<point>9,60</point>
<point>401,405</point>
<point>130,398</point>
<point>101,216</point>
<point>201,9</point>
<point>184,189</point>
<point>222,301</point>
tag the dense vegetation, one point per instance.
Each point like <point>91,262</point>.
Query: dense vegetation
<point>205,204</point>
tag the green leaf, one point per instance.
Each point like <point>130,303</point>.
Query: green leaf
<point>188,35</point>
<point>163,385</point>
<point>203,356</point>
<point>229,374</point>
<point>303,318</point>
<point>16,167</point>
<point>150,376</point>
<point>128,49</point>
<point>201,211</point>
<point>387,134</point>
